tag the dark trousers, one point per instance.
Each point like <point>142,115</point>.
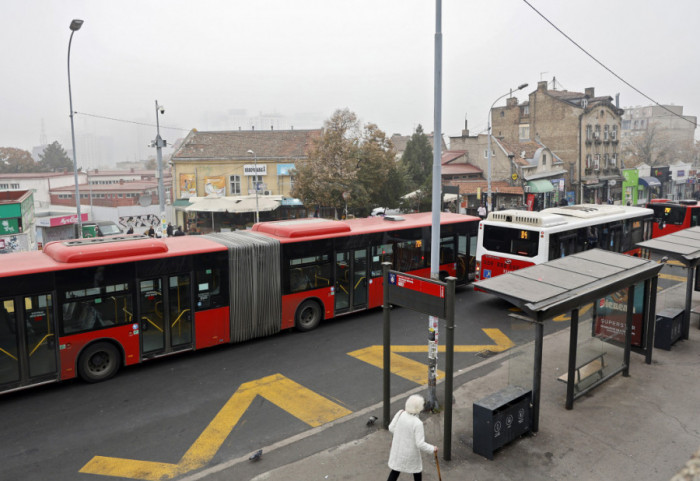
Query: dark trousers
<point>394,475</point>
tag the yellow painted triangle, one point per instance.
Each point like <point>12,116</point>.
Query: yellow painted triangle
<point>302,403</point>
<point>417,371</point>
<point>566,317</point>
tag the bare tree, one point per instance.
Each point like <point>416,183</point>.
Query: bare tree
<point>652,148</point>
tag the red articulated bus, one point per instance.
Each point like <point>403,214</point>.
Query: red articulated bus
<point>672,216</point>
<point>87,307</point>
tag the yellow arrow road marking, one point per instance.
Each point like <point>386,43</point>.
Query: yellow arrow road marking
<point>304,404</point>
<point>416,371</point>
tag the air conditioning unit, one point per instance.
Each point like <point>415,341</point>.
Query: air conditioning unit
<point>267,192</point>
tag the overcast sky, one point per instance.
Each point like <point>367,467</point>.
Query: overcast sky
<point>225,64</point>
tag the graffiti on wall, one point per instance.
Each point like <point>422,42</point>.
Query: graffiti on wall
<point>10,244</point>
<point>138,222</point>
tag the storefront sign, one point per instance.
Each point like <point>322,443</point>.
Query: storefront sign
<point>60,220</point>
<point>250,169</point>
<point>284,169</point>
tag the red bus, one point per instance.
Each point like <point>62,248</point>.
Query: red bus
<point>672,216</point>
<point>87,307</point>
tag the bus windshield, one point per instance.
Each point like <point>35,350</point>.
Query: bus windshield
<point>507,240</point>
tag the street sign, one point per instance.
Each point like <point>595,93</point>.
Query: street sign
<point>422,295</point>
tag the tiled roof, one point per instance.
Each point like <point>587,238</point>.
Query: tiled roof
<point>137,186</point>
<point>470,187</point>
<point>454,169</point>
<point>267,144</point>
<point>452,155</point>
<point>34,175</point>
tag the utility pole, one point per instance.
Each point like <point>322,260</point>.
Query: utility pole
<point>159,143</point>
<point>432,402</point>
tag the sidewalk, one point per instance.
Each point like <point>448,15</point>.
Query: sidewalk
<point>643,427</point>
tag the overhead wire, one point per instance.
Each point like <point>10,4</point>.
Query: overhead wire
<point>605,66</point>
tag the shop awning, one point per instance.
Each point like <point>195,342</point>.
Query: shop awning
<point>649,182</point>
<point>540,186</point>
<point>234,204</point>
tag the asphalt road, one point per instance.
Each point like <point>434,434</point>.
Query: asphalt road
<point>172,416</point>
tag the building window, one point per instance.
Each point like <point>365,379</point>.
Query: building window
<point>596,134</point>
<point>606,133</point>
<point>589,132</point>
<point>596,162</point>
<point>524,132</point>
<point>589,161</point>
<point>606,161</point>
<point>544,159</point>
<point>613,134</point>
<point>235,184</point>
<point>613,159</point>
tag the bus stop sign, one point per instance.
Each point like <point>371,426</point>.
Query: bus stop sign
<point>417,293</point>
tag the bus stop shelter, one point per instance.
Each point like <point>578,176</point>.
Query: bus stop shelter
<point>560,286</point>
<point>683,246</point>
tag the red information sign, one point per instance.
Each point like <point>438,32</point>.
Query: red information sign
<point>424,286</point>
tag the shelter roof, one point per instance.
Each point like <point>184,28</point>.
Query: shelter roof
<point>683,245</point>
<point>546,290</point>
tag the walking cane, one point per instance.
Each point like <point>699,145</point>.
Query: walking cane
<point>437,463</point>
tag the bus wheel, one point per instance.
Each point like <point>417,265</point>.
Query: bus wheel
<point>99,362</point>
<point>308,316</point>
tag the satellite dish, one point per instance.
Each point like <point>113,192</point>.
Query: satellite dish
<point>145,199</point>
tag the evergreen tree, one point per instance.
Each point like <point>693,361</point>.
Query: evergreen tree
<point>417,167</point>
<point>55,159</point>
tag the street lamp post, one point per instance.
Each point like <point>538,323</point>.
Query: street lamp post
<point>159,144</point>
<point>74,26</point>
<point>488,188</point>
<point>255,184</point>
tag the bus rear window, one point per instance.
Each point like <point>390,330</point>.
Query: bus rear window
<point>670,214</point>
<point>505,240</point>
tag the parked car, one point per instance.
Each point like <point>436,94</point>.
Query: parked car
<point>101,228</point>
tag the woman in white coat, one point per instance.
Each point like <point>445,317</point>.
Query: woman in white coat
<point>409,440</point>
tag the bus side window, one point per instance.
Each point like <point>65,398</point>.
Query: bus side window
<point>210,290</point>
<point>381,253</point>
<point>694,217</point>
<point>307,273</point>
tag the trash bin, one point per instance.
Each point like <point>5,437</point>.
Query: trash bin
<point>501,418</point>
<point>669,324</point>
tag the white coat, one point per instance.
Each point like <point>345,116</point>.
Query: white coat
<point>408,442</point>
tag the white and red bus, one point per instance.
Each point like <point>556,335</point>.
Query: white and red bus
<point>671,216</point>
<point>512,239</point>
<point>87,307</point>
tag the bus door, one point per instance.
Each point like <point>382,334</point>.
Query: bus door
<point>350,280</point>
<point>165,310</point>
<point>28,347</point>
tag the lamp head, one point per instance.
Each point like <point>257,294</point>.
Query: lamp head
<point>250,152</point>
<point>76,24</point>
<point>522,86</point>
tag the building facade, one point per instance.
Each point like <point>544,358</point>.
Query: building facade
<point>231,163</point>
<point>581,129</point>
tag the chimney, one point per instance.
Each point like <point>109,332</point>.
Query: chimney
<point>617,100</point>
<point>542,85</point>
<point>512,102</point>
<point>465,132</point>
<point>590,92</point>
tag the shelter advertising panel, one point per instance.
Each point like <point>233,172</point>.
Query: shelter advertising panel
<point>611,316</point>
